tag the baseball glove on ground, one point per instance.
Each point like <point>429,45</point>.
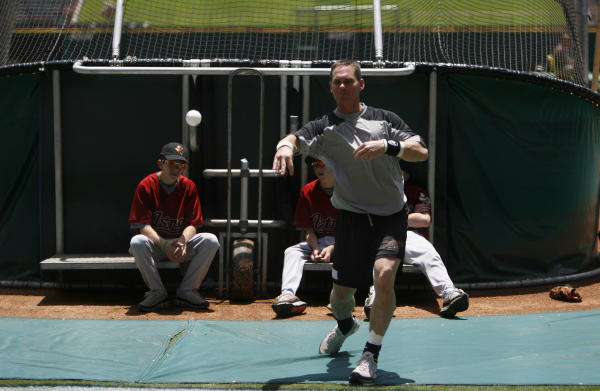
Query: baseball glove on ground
<point>565,293</point>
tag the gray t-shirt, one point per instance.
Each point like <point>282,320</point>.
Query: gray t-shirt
<point>374,187</point>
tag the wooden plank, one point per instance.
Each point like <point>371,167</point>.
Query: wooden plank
<point>95,261</point>
<point>327,267</point>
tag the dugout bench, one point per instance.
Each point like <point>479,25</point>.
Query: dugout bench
<point>326,267</point>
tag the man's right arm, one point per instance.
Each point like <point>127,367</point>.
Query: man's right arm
<point>303,140</point>
<point>284,157</point>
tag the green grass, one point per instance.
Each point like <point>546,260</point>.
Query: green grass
<point>287,14</point>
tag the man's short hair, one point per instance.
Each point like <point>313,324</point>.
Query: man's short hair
<point>352,63</point>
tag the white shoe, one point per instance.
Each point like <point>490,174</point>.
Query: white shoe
<point>190,298</point>
<point>366,370</point>
<point>154,300</point>
<point>457,301</point>
<point>333,341</point>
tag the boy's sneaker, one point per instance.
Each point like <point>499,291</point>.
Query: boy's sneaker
<point>287,304</point>
<point>333,341</point>
<point>153,300</point>
<point>366,370</point>
<point>458,301</point>
<point>190,298</point>
<point>369,303</point>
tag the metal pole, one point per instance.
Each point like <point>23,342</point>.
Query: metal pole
<point>245,173</point>
<point>58,178</point>
<point>116,44</point>
<point>596,54</point>
<point>283,100</point>
<point>377,32</point>
<point>432,147</point>
<point>227,248</point>
<point>305,117</point>
<point>185,104</point>
<point>261,126</point>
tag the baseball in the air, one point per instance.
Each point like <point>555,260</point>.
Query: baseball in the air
<point>193,118</point>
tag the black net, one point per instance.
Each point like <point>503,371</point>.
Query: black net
<point>537,36</point>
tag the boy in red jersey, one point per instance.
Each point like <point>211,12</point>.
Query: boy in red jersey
<point>316,216</point>
<point>166,210</point>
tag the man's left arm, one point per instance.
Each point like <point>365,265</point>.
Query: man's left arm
<point>409,150</point>
<point>401,142</point>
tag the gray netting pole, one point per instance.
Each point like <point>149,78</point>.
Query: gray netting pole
<point>377,32</point>
<point>116,44</point>
<point>432,128</point>
<point>58,166</point>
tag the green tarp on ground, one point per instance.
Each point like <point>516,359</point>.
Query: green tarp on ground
<point>546,348</point>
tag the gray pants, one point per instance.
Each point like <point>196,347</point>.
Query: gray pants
<point>201,250</point>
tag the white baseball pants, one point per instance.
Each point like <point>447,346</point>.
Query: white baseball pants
<point>293,263</point>
<point>421,253</point>
<point>201,249</point>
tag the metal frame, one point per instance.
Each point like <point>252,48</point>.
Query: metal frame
<point>194,70</point>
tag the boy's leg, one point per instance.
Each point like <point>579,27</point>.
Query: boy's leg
<point>421,253</point>
<point>294,259</point>
<point>201,250</point>
<point>146,254</point>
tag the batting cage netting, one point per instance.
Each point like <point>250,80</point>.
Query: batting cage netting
<point>529,36</point>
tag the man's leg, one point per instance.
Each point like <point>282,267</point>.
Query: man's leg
<point>201,250</point>
<point>146,253</point>
<point>342,305</point>
<point>342,301</point>
<point>384,277</point>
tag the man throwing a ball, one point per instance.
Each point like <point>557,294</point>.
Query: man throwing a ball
<point>361,145</point>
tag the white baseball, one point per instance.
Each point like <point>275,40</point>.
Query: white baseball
<point>193,118</point>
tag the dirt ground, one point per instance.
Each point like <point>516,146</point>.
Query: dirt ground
<point>120,304</point>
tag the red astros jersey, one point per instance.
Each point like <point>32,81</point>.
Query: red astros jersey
<point>416,195</point>
<point>167,213</point>
<point>314,210</point>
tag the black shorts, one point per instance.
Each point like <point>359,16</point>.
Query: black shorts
<point>360,239</point>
